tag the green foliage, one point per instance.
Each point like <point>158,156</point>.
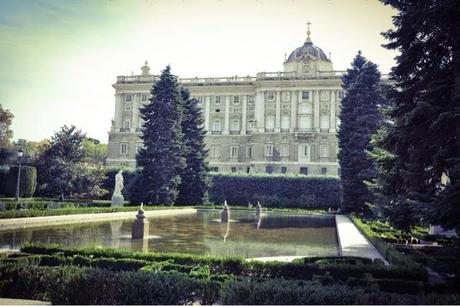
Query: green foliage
<point>423,136</point>
<point>95,152</point>
<point>161,159</point>
<point>359,119</point>
<point>27,185</point>
<point>194,178</point>
<point>6,118</point>
<point>294,191</point>
<point>62,170</point>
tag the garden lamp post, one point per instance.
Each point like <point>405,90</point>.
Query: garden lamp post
<point>20,154</point>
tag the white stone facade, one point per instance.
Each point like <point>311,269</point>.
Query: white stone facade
<point>276,122</point>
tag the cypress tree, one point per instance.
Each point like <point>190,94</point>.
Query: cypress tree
<point>161,158</point>
<point>359,119</point>
<point>194,178</point>
<point>424,138</point>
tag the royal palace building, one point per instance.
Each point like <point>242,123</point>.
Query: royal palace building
<point>274,122</point>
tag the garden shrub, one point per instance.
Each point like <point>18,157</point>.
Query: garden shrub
<point>27,185</point>
<point>294,191</point>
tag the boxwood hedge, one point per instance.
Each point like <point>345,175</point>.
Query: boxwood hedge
<point>294,191</point>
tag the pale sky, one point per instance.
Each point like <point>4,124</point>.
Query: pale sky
<point>59,58</point>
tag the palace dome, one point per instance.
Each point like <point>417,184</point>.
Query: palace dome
<point>308,48</point>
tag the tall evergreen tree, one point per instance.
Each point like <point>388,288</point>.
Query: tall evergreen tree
<point>161,160</point>
<point>359,119</point>
<point>194,178</point>
<point>424,171</point>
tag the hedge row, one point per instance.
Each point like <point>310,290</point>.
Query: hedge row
<point>294,191</point>
<point>77,285</point>
<point>306,269</point>
<point>27,185</point>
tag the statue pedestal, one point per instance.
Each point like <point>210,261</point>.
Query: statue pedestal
<point>117,201</point>
<point>140,229</point>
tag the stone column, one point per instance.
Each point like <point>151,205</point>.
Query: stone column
<point>294,102</point>
<point>118,112</point>
<point>260,112</point>
<point>244,115</point>
<point>316,110</point>
<point>278,112</point>
<point>135,117</point>
<point>207,106</point>
<point>332,119</point>
<point>227,116</point>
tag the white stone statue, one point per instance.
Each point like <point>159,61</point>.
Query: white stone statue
<point>117,197</point>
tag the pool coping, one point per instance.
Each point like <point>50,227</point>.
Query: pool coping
<point>32,222</point>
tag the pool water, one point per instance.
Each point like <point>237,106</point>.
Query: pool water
<point>200,233</point>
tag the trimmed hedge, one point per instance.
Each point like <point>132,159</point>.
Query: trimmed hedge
<point>294,191</point>
<point>286,292</point>
<point>339,269</point>
<point>27,184</point>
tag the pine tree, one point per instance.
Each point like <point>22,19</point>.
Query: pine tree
<point>194,178</point>
<point>359,119</point>
<point>424,139</point>
<point>161,160</point>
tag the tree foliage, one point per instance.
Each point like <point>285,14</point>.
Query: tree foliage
<point>161,159</point>
<point>359,119</point>
<point>6,118</point>
<point>423,142</point>
<point>194,177</point>
<point>63,170</point>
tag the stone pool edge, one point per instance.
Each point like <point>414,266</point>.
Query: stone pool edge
<point>31,222</point>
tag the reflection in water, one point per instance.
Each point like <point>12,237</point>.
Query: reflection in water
<point>269,235</point>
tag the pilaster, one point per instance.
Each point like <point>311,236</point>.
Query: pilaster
<point>207,105</point>
<point>294,102</point>
<point>118,112</point>
<point>316,110</point>
<point>135,118</point>
<point>278,112</point>
<point>333,102</point>
<point>227,116</point>
<point>260,112</point>
<point>244,115</point>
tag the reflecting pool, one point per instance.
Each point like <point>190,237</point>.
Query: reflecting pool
<point>201,233</point>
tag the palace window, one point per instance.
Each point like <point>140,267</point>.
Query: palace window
<point>341,94</point>
<point>269,169</point>
<point>304,151</point>
<point>215,150</point>
<point>304,170</point>
<point>283,169</point>
<point>127,106</point>
<point>217,100</point>
<point>285,122</point>
<point>128,97</point>
<point>214,169</point>
<point>284,150</point>
<point>323,170</point>
<point>144,97</point>
<point>249,151</point>
<point>268,150</point>
<point>251,99</point>
<point>233,169</point>
<point>124,148</point>
<point>236,99</point>
<point>305,95</point>
<point>270,95</point>
<point>250,125</point>
<point>305,122</point>
<point>233,151</point>
<point>324,121</point>
<point>126,124</point>
<point>216,126</point>
<point>235,125</point>
<point>269,122</point>
<point>324,151</point>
